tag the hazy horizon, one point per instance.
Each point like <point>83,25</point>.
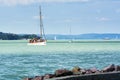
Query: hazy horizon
<point>60,33</point>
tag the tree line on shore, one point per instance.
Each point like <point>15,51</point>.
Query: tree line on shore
<point>11,36</point>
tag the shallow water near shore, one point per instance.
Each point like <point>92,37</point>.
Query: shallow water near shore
<point>18,60</point>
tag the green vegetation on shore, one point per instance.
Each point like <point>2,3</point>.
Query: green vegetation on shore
<point>11,36</point>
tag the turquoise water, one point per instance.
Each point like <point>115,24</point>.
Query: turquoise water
<point>18,60</point>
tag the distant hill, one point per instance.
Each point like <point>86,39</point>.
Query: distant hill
<point>85,36</point>
<point>12,36</point>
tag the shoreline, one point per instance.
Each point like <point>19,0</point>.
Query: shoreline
<point>70,41</point>
<point>111,72</point>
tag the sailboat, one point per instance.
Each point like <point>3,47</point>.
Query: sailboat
<point>42,40</point>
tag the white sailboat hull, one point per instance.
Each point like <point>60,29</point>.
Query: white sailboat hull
<point>38,43</point>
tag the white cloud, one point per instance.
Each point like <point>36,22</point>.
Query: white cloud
<point>71,20</point>
<point>102,19</point>
<point>15,2</point>
<point>68,20</point>
<point>38,17</point>
<point>24,2</point>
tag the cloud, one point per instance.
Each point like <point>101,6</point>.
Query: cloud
<point>68,20</point>
<point>102,19</point>
<point>38,17</point>
<point>71,20</point>
<point>15,2</point>
<point>25,2</point>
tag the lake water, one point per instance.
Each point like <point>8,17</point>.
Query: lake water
<point>18,60</point>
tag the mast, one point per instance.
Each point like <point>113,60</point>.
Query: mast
<point>41,24</point>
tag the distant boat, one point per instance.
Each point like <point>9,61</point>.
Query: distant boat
<point>42,40</point>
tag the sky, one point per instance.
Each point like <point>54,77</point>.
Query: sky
<point>59,16</point>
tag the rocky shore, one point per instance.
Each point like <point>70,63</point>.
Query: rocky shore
<point>76,71</point>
